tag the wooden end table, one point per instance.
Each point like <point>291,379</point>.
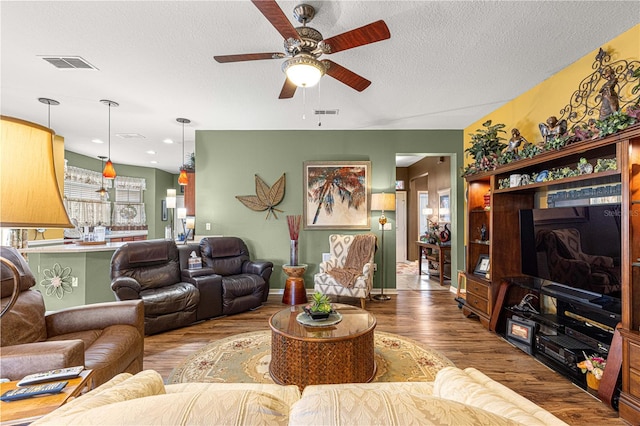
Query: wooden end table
<point>440,258</point>
<point>341,353</point>
<point>294,291</point>
<point>30,409</point>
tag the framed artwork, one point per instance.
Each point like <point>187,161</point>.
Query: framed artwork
<point>444,205</point>
<point>164,214</point>
<point>482,266</point>
<point>337,194</point>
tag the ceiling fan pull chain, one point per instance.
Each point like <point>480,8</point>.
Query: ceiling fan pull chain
<point>304,103</point>
<point>319,103</point>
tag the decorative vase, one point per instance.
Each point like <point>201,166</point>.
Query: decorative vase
<point>293,255</point>
<point>592,381</point>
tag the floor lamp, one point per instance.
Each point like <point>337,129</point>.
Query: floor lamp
<point>381,202</point>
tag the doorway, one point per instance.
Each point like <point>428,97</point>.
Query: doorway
<point>401,226</point>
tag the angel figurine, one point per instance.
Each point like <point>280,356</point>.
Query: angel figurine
<point>610,103</point>
<point>553,128</point>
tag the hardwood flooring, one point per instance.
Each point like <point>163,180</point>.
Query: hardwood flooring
<point>431,317</point>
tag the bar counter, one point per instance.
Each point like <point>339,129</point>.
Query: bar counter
<point>83,269</point>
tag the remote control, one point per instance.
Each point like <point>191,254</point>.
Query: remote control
<point>29,391</point>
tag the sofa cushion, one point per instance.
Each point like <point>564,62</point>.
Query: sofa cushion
<point>138,400</point>
<point>473,388</point>
<point>176,297</point>
<point>385,404</point>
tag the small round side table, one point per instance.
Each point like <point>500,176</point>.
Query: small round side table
<point>294,291</point>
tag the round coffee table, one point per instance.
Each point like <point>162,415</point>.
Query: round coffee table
<point>308,355</point>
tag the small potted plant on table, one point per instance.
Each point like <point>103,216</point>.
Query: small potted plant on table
<point>320,306</point>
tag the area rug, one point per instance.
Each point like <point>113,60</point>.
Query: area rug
<point>407,268</point>
<point>244,358</point>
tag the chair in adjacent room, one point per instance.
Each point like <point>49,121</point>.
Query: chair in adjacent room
<point>349,270</point>
<point>105,337</point>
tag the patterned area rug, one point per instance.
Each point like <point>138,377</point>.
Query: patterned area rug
<point>244,358</point>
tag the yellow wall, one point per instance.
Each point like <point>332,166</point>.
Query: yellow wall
<point>547,98</point>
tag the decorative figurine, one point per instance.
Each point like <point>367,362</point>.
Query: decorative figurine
<point>514,143</point>
<point>484,233</point>
<point>609,95</point>
<point>552,128</point>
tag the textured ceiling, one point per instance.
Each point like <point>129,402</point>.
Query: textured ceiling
<point>446,65</point>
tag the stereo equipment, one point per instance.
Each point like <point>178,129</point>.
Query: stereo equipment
<point>592,342</point>
<point>521,332</point>
<point>563,349</point>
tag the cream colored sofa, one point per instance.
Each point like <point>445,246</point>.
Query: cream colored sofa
<point>456,397</point>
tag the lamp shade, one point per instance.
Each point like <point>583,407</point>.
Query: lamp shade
<point>191,222</point>
<point>171,198</point>
<point>182,213</point>
<point>30,196</point>
<point>183,179</point>
<point>383,202</point>
<point>109,172</point>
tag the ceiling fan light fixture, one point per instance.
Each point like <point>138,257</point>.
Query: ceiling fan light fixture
<point>303,70</point>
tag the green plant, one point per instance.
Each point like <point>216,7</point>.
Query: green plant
<point>486,146</point>
<point>604,164</point>
<point>320,303</point>
<point>556,143</point>
<point>508,157</point>
<point>530,150</point>
<point>615,122</point>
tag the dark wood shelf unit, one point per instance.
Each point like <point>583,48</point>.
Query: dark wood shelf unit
<point>489,297</point>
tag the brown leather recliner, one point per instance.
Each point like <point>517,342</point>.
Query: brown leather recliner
<point>150,271</point>
<point>105,337</point>
<point>245,283</point>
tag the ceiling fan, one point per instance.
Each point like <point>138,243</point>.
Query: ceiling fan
<point>304,45</point>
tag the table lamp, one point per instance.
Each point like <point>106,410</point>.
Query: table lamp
<point>28,184</point>
<point>381,202</point>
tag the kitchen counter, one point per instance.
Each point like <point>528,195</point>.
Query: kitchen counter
<point>71,248</point>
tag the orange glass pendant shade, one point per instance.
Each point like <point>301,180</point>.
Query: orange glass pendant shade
<point>109,171</point>
<point>183,179</point>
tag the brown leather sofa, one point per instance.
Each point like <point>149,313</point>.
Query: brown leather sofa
<point>105,337</point>
<point>245,283</point>
<point>157,272</point>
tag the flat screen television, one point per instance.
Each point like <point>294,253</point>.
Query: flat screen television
<point>578,247</point>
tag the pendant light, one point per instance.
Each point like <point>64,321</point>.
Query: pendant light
<point>102,191</point>
<point>109,172</point>
<point>183,179</point>
<point>49,102</point>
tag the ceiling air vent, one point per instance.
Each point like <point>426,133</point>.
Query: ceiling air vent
<point>130,136</point>
<point>69,62</point>
<point>326,111</point>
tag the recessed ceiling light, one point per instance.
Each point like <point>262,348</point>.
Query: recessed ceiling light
<point>97,141</point>
<point>151,152</point>
<point>153,162</point>
<point>167,141</point>
<point>130,136</point>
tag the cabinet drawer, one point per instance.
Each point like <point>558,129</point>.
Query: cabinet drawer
<point>478,289</point>
<point>478,303</point>
<point>634,375</point>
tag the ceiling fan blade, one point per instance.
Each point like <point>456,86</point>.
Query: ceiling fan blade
<point>346,76</point>
<point>376,31</point>
<point>276,16</point>
<point>288,90</point>
<point>247,57</point>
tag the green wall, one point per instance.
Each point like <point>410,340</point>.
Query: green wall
<point>226,162</point>
<point>157,183</point>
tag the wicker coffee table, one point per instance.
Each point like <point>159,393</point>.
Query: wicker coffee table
<point>309,355</point>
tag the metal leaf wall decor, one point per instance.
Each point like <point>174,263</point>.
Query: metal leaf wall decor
<point>266,198</point>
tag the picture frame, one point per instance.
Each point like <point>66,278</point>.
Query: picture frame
<point>164,214</point>
<point>337,195</point>
<point>482,265</point>
<point>444,205</point>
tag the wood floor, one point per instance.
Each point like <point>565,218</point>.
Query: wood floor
<point>431,317</point>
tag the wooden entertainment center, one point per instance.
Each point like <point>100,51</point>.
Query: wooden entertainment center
<point>496,209</point>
